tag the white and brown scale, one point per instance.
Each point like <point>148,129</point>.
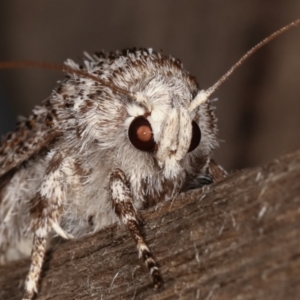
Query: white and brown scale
<point>92,155</point>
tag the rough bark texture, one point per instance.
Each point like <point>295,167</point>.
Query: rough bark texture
<point>238,239</point>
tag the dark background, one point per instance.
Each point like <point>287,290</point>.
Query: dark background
<point>258,108</point>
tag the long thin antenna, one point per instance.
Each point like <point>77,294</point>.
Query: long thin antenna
<point>249,53</point>
<point>204,94</point>
<point>58,67</point>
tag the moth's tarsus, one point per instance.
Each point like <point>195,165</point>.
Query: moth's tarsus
<point>157,280</point>
<point>72,167</point>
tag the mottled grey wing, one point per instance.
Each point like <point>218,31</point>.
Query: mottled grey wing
<point>31,135</point>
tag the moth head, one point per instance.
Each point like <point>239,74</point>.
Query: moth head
<point>179,135</point>
<point>161,125</point>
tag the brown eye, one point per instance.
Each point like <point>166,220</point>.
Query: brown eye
<point>140,134</point>
<point>196,136</point>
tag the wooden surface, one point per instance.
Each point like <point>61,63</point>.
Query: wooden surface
<point>238,239</point>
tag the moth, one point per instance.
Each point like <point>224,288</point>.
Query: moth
<point>121,133</point>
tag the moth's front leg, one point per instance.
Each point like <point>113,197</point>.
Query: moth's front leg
<point>216,171</point>
<point>45,213</point>
<point>122,201</point>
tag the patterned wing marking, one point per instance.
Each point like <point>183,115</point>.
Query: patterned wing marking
<point>31,135</point>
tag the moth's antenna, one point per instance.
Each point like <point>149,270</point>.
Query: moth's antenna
<point>58,67</point>
<point>204,94</point>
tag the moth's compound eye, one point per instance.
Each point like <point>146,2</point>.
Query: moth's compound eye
<point>196,136</point>
<point>140,134</point>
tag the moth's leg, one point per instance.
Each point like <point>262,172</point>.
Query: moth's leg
<point>45,214</point>
<point>122,203</point>
<point>37,259</point>
<point>212,173</point>
<point>216,171</point>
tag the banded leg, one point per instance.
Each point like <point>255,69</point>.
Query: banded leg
<point>122,203</point>
<point>45,213</point>
<point>37,259</point>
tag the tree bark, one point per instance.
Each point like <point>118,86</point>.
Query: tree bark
<point>238,239</point>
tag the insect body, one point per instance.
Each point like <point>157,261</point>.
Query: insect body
<point>95,153</point>
<point>129,130</point>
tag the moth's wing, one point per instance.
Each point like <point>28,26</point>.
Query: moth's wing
<point>32,135</point>
<point>216,171</point>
